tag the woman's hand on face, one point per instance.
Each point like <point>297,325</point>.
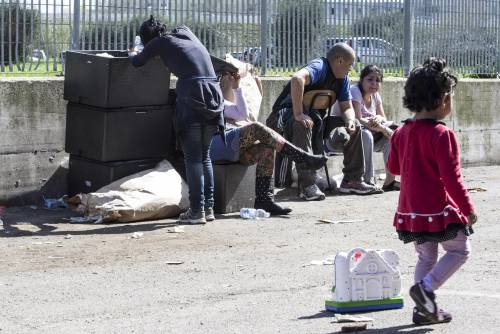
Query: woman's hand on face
<point>235,80</point>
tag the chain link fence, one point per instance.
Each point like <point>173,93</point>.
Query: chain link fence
<point>278,36</point>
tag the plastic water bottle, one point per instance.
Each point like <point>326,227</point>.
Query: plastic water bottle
<point>260,214</point>
<point>138,46</point>
<point>247,213</point>
<point>251,213</point>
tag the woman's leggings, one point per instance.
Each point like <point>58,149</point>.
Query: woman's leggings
<point>257,145</point>
<point>433,272</point>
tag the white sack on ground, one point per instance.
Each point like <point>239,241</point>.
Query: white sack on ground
<point>151,194</point>
<point>248,85</point>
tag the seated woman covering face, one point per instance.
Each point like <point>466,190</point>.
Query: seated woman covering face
<point>376,130</point>
<point>252,142</point>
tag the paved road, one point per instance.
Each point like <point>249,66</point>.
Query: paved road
<point>236,276</point>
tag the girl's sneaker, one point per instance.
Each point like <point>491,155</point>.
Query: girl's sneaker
<point>189,217</point>
<point>420,318</point>
<point>425,300</point>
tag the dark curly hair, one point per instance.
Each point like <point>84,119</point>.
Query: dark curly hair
<point>366,71</point>
<point>427,84</point>
<point>150,29</point>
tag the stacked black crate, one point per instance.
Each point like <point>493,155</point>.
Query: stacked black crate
<point>119,118</point>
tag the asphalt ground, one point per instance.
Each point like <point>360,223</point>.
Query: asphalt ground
<point>229,276</point>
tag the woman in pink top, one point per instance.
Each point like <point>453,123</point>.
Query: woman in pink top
<point>376,130</point>
<point>434,206</point>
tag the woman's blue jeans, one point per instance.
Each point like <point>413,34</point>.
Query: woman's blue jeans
<point>195,140</point>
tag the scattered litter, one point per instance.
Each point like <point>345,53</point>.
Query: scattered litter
<point>327,221</point>
<point>280,246</point>
<point>176,229</point>
<point>137,235</point>
<point>381,176</point>
<point>105,55</point>
<point>53,203</point>
<point>326,262</point>
<point>68,236</point>
<point>351,318</point>
<point>59,245</point>
<point>48,242</point>
<point>353,328</point>
<point>251,213</point>
<point>33,207</point>
<point>475,190</point>
<point>88,219</point>
<point>56,257</point>
<point>174,262</point>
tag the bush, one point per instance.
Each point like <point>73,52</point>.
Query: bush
<point>16,22</point>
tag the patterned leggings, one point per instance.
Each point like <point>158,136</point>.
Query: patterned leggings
<point>257,145</point>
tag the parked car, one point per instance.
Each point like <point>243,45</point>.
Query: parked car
<point>370,50</point>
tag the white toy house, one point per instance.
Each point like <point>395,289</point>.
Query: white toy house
<point>366,280</point>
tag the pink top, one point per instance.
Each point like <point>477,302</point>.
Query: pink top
<point>358,97</point>
<point>426,155</point>
<point>236,111</point>
<point>366,112</point>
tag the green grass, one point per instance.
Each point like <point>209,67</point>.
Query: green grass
<point>35,71</point>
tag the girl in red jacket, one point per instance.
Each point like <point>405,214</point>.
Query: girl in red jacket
<point>434,206</point>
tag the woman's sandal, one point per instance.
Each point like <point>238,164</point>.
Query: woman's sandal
<point>393,186</point>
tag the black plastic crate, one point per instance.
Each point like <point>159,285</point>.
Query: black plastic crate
<point>119,134</point>
<point>114,82</point>
<point>87,175</point>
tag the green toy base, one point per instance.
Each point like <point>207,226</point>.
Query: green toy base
<point>365,305</point>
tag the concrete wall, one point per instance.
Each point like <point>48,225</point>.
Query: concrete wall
<point>32,129</point>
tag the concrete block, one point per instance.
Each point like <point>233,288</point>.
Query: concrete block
<point>234,187</point>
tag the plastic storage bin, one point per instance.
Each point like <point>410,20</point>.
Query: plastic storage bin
<point>113,82</point>
<point>119,134</point>
<point>86,175</point>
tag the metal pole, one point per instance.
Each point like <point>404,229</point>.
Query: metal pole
<point>75,34</point>
<point>409,23</point>
<point>497,26</point>
<point>264,20</point>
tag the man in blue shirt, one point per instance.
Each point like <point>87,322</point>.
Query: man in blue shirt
<point>305,128</point>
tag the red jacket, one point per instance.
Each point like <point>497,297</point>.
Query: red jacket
<point>426,155</point>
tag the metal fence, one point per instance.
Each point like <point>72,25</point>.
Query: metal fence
<point>278,36</point>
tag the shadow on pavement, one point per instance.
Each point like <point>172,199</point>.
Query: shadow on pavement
<point>24,221</point>
<point>411,329</point>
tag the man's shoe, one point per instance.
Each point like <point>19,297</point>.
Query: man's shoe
<point>378,189</point>
<point>189,217</point>
<point>209,214</point>
<point>425,300</point>
<point>312,193</point>
<point>356,187</point>
<point>419,318</point>
<point>273,208</point>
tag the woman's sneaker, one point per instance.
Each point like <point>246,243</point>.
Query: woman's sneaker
<point>425,300</point>
<point>209,214</point>
<point>420,318</point>
<point>189,217</point>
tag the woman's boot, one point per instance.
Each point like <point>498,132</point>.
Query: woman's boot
<point>264,197</point>
<point>302,157</point>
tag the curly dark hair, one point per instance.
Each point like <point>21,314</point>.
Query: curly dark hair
<point>150,29</point>
<point>366,71</point>
<point>427,84</point>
